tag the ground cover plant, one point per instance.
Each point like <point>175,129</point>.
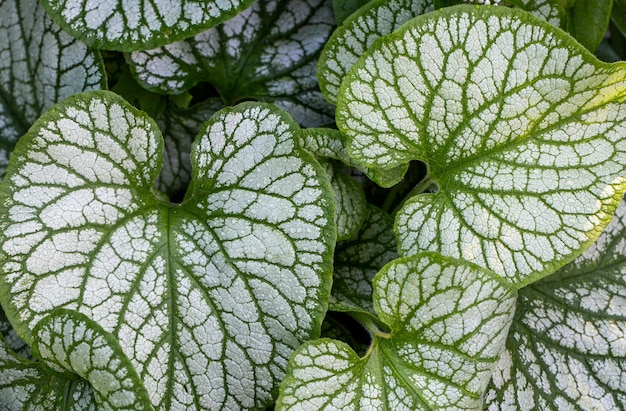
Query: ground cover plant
<point>308,204</point>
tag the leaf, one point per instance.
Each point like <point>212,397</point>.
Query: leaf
<point>552,11</point>
<point>29,385</point>
<point>438,355</point>
<point>268,52</point>
<point>68,340</point>
<point>589,20</point>
<point>208,298</point>
<point>358,259</point>
<point>522,130</point>
<point>40,66</point>
<point>350,205</point>
<point>134,25</point>
<point>567,345</point>
<point>357,33</point>
<point>330,143</point>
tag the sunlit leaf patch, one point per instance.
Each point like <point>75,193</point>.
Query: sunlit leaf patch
<point>522,130</point>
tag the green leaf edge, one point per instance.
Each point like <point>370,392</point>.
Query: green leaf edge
<point>111,341</point>
<point>159,38</point>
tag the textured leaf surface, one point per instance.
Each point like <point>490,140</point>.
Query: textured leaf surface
<point>350,205</point>
<point>358,259</point>
<point>438,355</point>
<point>134,24</point>
<point>522,130</point>
<point>207,298</point>
<point>356,35</point>
<point>330,143</point>
<point>567,346</point>
<point>28,385</point>
<point>39,66</point>
<point>67,340</point>
<point>268,52</point>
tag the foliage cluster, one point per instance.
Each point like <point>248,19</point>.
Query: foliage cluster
<point>312,204</point>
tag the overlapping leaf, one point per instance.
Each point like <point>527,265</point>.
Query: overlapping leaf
<point>268,52</point>
<point>522,130</point>
<point>39,66</point>
<point>567,346</point>
<point>357,33</point>
<point>448,323</point>
<point>14,342</point>
<point>67,340</point>
<point>29,385</point>
<point>134,24</point>
<point>358,259</point>
<point>208,298</point>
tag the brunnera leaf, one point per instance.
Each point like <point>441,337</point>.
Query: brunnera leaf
<point>69,341</point>
<point>358,260</point>
<point>30,385</point>
<point>128,25</point>
<point>448,320</point>
<point>40,66</point>
<point>208,298</point>
<point>567,345</point>
<point>521,128</point>
<point>268,52</point>
<point>357,33</point>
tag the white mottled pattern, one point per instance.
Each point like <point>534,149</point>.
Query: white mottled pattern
<point>132,24</point>
<point>522,131</point>
<point>568,346</point>
<point>438,354</point>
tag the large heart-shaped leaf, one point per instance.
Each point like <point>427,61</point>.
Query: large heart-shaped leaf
<point>522,129</point>
<point>268,52</point>
<point>567,346</point>
<point>40,65</point>
<point>437,356</point>
<point>207,298</point>
<point>134,24</point>
<point>29,385</point>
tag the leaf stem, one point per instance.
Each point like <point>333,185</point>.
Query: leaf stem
<point>426,185</point>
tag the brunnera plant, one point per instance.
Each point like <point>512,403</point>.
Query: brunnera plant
<point>306,204</point>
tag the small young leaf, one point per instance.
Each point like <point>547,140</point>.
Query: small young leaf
<point>522,130</point>
<point>209,297</point>
<point>567,346</point>
<point>68,340</point>
<point>39,66</point>
<point>134,24</point>
<point>357,33</point>
<point>330,143</point>
<point>359,259</point>
<point>28,385</point>
<point>268,52</point>
<point>437,356</point>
